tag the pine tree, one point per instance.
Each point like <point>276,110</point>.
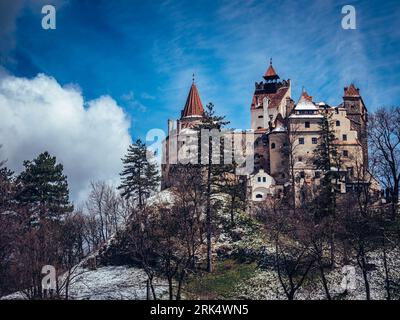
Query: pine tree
<point>213,172</point>
<point>327,159</point>
<point>44,187</point>
<point>6,187</point>
<point>326,154</point>
<point>140,175</point>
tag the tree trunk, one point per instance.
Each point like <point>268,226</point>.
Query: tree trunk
<point>363,265</point>
<point>324,281</point>
<point>208,212</point>
<point>170,289</point>
<point>385,266</point>
<point>148,297</point>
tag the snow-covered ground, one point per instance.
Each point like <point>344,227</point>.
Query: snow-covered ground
<point>108,283</point>
<point>265,285</point>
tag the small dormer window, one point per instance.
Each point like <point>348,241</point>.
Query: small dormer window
<point>264,179</point>
<point>259,179</point>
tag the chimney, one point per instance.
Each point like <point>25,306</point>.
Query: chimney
<point>265,111</point>
<point>170,126</point>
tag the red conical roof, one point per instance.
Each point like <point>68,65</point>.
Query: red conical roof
<point>270,74</point>
<point>351,91</point>
<point>193,106</point>
<point>305,96</point>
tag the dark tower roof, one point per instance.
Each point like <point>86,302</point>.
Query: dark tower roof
<point>193,106</point>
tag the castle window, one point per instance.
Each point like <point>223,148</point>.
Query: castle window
<point>259,179</point>
<point>259,127</point>
<point>301,140</point>
<point>259,196</point>
<point>300,159</point>
<point>306,112</point>
<point>345,137</point>
<point>314,140</point>
<point>260,117</point>
<point>272,145</point>
<point>350,171</point>
<point>345,153</point>
<point>264,179</point>
<point>307,124</point>
<point>337,123</point>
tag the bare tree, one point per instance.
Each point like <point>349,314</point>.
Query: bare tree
<point>384,138</point>
<point>105,213</point>
<point>293,256</point>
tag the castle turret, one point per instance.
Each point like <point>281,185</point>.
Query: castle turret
<point>278,156</point>
<point>191,115</point>
<point>193,111</point>
<point>269,99</point>
<point>358,115</point>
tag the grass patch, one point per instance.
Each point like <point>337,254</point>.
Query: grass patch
<point>220,283</point>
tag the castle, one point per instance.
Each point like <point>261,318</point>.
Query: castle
<point>286,134</point>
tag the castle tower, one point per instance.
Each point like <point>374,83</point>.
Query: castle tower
<point>270,99</point>
<point>358,115</point>
<point>278,158</point>
<point>191,115</point>
<point>193,111</point>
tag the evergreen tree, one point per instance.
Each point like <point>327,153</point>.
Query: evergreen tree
<point>140,175</point>
<point>326,155</point>
<point>327,159</point>
<point>7,187</point>
<point>44,187</point>
<point>214,173</point>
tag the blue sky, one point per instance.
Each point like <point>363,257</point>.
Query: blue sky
<point>143,53</point>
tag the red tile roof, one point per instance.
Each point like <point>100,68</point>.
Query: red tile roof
<point>305,96</point>
<point>351,91</point>
<point>270,73</point>
<point>193,106</point>
<point>274,98</point>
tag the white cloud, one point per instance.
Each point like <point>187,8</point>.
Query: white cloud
<point>88,138</point>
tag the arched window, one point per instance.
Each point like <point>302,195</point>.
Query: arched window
<point>272,145</point>
<point>259,196</point>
